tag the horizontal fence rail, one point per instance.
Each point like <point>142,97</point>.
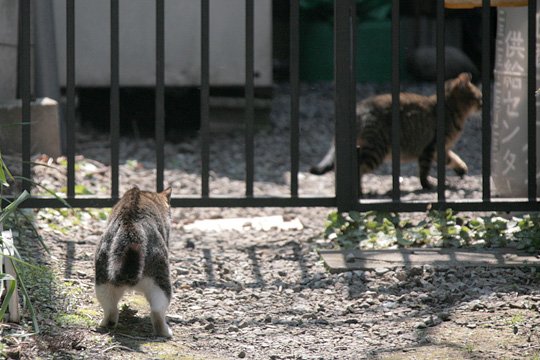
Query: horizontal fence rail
<point>347,190</point>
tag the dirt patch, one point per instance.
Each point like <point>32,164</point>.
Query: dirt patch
<point>267,295</point>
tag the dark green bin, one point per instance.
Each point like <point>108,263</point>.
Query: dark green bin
<point>373,46</point>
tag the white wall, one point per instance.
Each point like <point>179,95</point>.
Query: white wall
<point>182,42</point>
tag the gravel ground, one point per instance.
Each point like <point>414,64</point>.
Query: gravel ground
<point>272,161</point>
<point>266,294</point>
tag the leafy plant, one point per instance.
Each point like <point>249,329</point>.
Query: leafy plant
<point>9,251</point>
<point>438,228</point>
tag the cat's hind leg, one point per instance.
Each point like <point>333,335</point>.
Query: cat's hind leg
<point>369,159</point>
<point>159,302</point>
<point>453,161</point>
<point>424,163</point>
<point>108,296</point>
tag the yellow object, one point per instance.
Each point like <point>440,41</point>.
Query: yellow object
<point>468,4</point>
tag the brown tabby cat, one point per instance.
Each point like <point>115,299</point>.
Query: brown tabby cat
<point>132,254</point>
<point>418,137</point>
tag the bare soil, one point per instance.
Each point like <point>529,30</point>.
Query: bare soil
<point>266,295</point>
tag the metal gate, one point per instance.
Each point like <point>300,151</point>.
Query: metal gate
<point>346,192</point>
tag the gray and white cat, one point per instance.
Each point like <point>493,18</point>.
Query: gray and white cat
<point>132,254</point>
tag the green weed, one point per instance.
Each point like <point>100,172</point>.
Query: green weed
<point>372,230</point>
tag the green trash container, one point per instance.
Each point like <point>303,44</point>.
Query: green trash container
<point>373,41</point>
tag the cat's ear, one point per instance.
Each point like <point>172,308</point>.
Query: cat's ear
<point>465,78</point>
<point>134,189</point>
<point>167,193</point>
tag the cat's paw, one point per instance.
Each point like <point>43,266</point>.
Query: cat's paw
<point>461,171</point>
<point>108,323</point>
<point>427,183</point>
<point>164,331</point>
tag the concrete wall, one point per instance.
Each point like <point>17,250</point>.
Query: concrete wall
<point>182,42</point>
<point>8,49</point>
<point>44,133</point>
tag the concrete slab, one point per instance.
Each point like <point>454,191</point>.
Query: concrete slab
<point>263,223</point>
<point>347,260</point>
<point>45,132</point>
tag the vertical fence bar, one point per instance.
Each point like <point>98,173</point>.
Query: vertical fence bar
<point>160,94</point>
<point>346,187</point>
<point>395,103</point>
<point>25,90</point>
<point>531,101</point>
<point>70,96</point>
<point>115,98</point>
<point>352,95</point>
<point>295,93</point>
<point>205,94</point>
<point>486,100</point>
<point>441,127</point>
<point>249,95</point>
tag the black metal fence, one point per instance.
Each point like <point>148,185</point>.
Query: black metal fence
<point>346,192</point>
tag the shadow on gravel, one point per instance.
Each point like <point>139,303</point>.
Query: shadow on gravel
<point>295,254</point>
<point>426,350</point>
<point>256,268</point>
<point>133,332</point>
<point>70,257</point>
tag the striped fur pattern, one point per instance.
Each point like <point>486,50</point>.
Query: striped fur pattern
<point>132,254</point>
<point>418,121</point>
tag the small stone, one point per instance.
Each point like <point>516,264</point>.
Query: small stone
<point>243,325</point>
<point>389,304</point>
<point>182,271</point>
<point>420,325</point>
<point>322,321</point>
<point>518,305</point>
<point>190,244</point>
<point>471,325</point>
<point>444,315</point>
<point>242,354</point>
<point>350,258</point>
<point>401,275</point>
<point>233,329</point>
<point>432,321</point>
<point>381,271</point>
<point>416,270</point>
<point>282,273</point>
<point>476,305</point>
<point>209,327</point>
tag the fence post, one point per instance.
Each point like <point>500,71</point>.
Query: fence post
<point>344,76</point>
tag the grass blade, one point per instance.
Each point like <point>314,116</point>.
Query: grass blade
<point>13,206</point>
<point>9,293</point>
